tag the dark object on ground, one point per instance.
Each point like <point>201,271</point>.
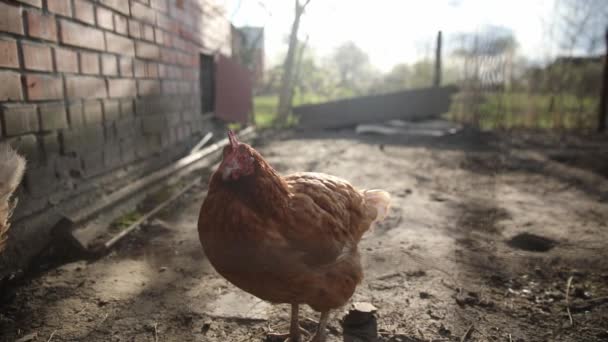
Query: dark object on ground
<point>531,242</point>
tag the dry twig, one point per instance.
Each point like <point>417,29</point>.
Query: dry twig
<point>51,337</point>
<point>467,334</point>
<point>568,300</point>
<point>155,332</point>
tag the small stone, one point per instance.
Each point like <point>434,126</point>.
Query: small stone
<point>162,269</point>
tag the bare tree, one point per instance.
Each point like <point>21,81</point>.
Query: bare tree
<point>285,95</point>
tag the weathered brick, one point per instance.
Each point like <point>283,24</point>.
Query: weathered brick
<point>148,32</point>
<point>40,181</point>
<point>43,87</point>
<point>37,57</point>
<point>160,5</point>
<point>104,18</point>
<point>82,139</point>
<point>159,35</point>
<point>10,86</point>
<point>80,35</point>
<point>119,5</point>
<point>127,151</point>
<point>140,68</point>
<point>169,87</point>
<point>119,44</point>
<point>109,65</point>
<point>50,144</point>
<point>152,124</point>
<point>53,116</point>
<point>143,12</point>
<point>75,111</point>
<point>126,66</point>
<point>19,119</point>
<point>86,87</point>
<point>66,60</point>
<point>110,131</point>
<point>10,19</point>
<point>36,3</point>
<point>84,11</point>
<point>122,88</point>
<point>111,155</point>
<point>93,112</point>
<point>146,50</point>
<point>164,21</point>
<point>27,146</point>
<point>8,53</point>
<point>120,24</point>
<point>111,110</point>
<point>152,70</point>
<point>89,63</point>
<point>126,108</point>
<point>61,7</point>
<point>125,128</point>
<point>162,70</point>
<point>134,29</point>
<point>148,87</point>
<point>41,26</point>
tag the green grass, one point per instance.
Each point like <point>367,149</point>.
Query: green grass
<point>521,110</point>
<point>265,107</point>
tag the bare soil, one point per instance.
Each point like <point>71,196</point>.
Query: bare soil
<point>484,234</point>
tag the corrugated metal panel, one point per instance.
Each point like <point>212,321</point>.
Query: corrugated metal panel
<point>233,99</point>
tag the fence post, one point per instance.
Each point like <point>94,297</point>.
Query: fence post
<point>437,76</point>
<point>603,110</point>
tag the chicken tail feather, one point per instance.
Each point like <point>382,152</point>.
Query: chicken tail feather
<point>380,200</point>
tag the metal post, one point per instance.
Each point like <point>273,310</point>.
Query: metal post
<point>437,76</point>
<point>603,111</point>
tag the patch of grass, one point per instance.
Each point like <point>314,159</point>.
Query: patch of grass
<point>265,107</point>
<point>519,110</point>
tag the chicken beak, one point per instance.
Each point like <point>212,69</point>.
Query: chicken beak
<point>234,142</point>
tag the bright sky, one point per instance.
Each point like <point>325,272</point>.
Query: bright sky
<point>391,31</point>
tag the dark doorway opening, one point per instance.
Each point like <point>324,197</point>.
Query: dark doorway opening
<point>207,78</point>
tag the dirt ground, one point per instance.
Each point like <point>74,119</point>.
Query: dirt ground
<point>484,234</point>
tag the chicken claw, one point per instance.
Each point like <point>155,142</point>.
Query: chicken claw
<point>321,333</point>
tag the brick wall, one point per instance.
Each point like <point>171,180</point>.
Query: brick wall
<point>95,88</point>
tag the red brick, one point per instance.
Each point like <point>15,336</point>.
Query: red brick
<point>121,6</point>
<point>126,66</point>
<point>143,12</point>
<point>83,36</point>
<point>36,3</point>
<point>104,18</point>
<point>84,11</point>
<point>146,50</point>
<point>85,87</point>
<point>119,44</point>
<point>152,70</point>
<point>66,60</point>
<point>148,32</point>
<point>10,19</point>
<point>61,7</point>
<point>10,86</point>
<point>89,63</point>
<point>109,65</point>
<point>134,29</point>
<point>41,26</point>
<point>8,53</point>
<point>20,119</point>
<point>140,68</point>
<point>43,87</point>
<point>37,57</point>
<point>121,24</point>
<point>122,88</point>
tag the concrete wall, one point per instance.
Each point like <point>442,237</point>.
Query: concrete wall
<point>95,93</point>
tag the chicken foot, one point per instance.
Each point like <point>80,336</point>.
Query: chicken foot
<point>294,334</point>
<point>321,330</point>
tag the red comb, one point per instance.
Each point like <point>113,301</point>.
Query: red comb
<point>234,142</point>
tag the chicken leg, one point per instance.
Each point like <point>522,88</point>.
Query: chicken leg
<point>294,327</point>
<point>321,330</point>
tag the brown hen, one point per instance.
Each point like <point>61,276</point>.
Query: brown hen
<point>286,239</point>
